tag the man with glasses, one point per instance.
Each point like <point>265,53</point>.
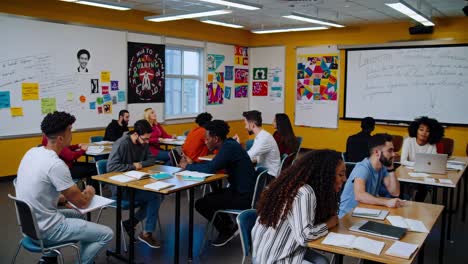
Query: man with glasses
<point>370,176</point>
<point>131,152</point>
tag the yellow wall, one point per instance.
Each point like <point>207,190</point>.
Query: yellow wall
<point>11,150</point>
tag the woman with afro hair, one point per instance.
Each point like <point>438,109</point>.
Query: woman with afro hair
<point>299,206</point>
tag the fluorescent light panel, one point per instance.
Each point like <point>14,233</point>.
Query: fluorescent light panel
<point>310,19</point>
<point>279,30</point>
<point>236,4</point>
<point>171,17</point>
<point>219,23</point>
<point>104,4</point>
<point>406,9</point>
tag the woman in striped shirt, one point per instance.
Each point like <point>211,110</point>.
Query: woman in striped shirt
<point>298,207</point>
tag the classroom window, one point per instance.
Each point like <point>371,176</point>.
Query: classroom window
<point>183,82</point>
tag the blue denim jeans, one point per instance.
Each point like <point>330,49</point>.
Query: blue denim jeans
<point>149,207</point>
<point>92,237</point>
<point>162,155</point>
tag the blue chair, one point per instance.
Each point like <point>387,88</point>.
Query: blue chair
<point>32,239</point>
<point>259,185</point>
<point>249,144</point>
<point>284,157</point>
<point>299,145</point>
<point>94,139</point>
<point>246,221</point>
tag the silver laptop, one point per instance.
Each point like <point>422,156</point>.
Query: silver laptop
<point>431,163</point>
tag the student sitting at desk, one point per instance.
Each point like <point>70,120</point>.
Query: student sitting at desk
<point>234,159</point>
<point>298,207</point>
<point>284,137</point>
<point>194,146</point>
<point>131,152</point>
<point>357,145</point>
<point>44,179</point>
<point>116,128</point>
<point>368,176</point>
<point>157,133</point>
<point>424,134</point>
<point>264,150</point>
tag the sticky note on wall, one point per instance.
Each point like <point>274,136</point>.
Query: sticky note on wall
<point>30,91</point>
<point>16,111</point>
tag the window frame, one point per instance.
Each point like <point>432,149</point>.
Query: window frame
<point>182,76</point>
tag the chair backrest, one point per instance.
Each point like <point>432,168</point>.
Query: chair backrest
<point>246,221</point>
<point>284,157</point>
<point>249,144</point>
<point>397,141</point>
<point>186,132</point>
<point>26,218</point>
<point>260,183</point>
<point>175,156</point>
<point>93,139</point>
<point>299,143</point>
<point>101,166</point>
<point>447,146</point>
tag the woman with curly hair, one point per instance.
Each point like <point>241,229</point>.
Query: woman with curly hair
<point>299,206</point>
<point>424,134</point>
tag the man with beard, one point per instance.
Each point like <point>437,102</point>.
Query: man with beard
<point>116,128</point>
<point>264,150</point>
<point>369,175</point>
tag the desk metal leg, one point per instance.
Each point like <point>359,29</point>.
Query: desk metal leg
<point>177,228</point>
<point>459,187</point>
<point>449,224</point>
<point>338,259</point>
<point>131,254</point>
<point>421,254</point>
<point>434,195</point>
<point>442,228</point>
<point>118,218</point>
<point>190,249</point>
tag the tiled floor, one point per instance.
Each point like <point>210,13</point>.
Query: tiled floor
<point>231,253</point>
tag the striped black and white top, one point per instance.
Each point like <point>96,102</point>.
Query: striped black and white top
<point>288,242</point>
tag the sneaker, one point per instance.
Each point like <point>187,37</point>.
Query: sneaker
<point>224,238</point>
<point>149,240</point>
<point>128,227</point>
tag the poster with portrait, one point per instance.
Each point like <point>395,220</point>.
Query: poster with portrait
<point>146,73</point>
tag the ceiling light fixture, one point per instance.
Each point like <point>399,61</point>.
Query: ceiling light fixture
<point>105,4</point>
<point>408,10</point>
<point>311,19</point>
<point>219,23</point>
<point>289,29</point>
<point>171,17</point>
<point>236,4</point>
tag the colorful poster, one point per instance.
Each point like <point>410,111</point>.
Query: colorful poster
<point>227,92</point>
<point>99,109</point>
<point>146,73</point>
<point>241,55</point>
<point>114,85</point>
<point>260,73</point>
<point>213,61</point>
<point>114,99</point>
<point>4,99</point>
<point>275,84</point>
<point>105,76</point>
<point>214,93</point>
<point>107,108</point>
<point>241,76</point>
<point>121,95</point>
<point>99,101</point>
<point>94,86</point>
<point>83,99</point>
<point>107,98</point>
<point>228,73</point>
<point>48,105</point>
<point>240,91</point>
<point>16,111</point>
<point>316,78</point>
<point>30,91</point>
<point>92,105</point>
<point>105,89</point>
<point>260,88</point>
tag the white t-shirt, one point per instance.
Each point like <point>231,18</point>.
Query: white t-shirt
<point>266,152</point>
<point>411,147</point>
<point>42,175</point>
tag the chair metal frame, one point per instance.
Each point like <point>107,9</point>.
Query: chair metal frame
<point>246,245</point>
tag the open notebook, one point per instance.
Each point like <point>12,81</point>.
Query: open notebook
<point>401,250</point>
<point>130,176</point>
<point>356,242</point>
<point>410,224</point>
<point>96,203</point>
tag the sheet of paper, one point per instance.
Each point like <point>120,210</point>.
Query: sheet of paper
<point>159,185</point>
<point>339,240</point>
<point>194,174</point>
<point>429,180</point>
<point>366,211</point>
<point>445,181</point>
<point>95,149</point>
<point>416,225</point>
<point>397,220</point>
<point>368,245</point>
<point>418,174</point>
<point>451,166</point>
<point>401,249</point>
<point>121,178</point>
<point>96,203</point>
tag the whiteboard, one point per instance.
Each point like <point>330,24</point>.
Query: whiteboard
<point>231,109</point>
<point>46,53</point>
<point>309,110</point>
<point>400,84</point>
<point>273,59</point>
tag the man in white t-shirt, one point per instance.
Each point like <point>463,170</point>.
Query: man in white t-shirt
<point>264,150</point>
<point>44,180</point>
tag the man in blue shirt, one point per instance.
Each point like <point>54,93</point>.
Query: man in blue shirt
<point>370,175</point>
<point>235,160</point>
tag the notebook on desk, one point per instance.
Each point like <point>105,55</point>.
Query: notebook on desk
<point>378,229</point>
<point>430,163</point>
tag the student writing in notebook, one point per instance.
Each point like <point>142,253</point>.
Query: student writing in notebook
<point>299,206</point>
<point>131,152</point>
<point>44,179</point>
<point>370,175</point>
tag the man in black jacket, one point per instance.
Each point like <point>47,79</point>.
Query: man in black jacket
<point>116,128</point>
<point>357,145</point>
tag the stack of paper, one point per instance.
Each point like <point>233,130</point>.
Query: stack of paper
<point>370,213</point>
<point>96,203</point>
<point>410,224</point>
<point>452,166</point>
<point>350,241</point>
<point>194,175</point>
<point>130,176</point>
<point>401,250</point>
<point>95,150</point>
<point>104,142</point>
<point>418,174</point>
<point>159,185</point>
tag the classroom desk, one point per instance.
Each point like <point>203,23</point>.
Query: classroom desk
<point>105,152</point>
<point>207,157</point>
<point>170,142</point>
<point>427,213</point>
<point>179,185</point>
<point>447,196</point>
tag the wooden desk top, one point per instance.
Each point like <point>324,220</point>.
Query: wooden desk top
<point>106,177</point>
<point>207,157</point>
<point>427,213</point>
<point>402,174</point>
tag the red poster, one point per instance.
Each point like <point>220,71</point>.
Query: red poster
<point>260,88</point>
